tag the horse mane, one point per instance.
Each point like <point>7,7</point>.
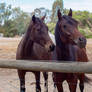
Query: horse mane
<point>62,47</point>
<point>57,36</point>
<point>27,42</point>
<point>59,43</point>
<point>70,20</point>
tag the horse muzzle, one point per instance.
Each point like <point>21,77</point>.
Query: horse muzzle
<point>50,48</point>
<point>81,42</point>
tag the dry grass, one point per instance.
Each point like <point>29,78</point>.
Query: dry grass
<point>8,48</point>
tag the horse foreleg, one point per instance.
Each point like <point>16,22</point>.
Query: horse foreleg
<point>72,84</point>
<point>58,80</point>
<point>37,77</point>
<point>59,86</point>
<point>45,74</point>
<point>21,75</point>
<point>54,82</point>
<point>81,84</point>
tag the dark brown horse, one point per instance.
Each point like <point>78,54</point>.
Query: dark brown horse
<point>70,46</point>
<point>35,45</point>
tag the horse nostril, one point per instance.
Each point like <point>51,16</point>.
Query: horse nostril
<point>82,42</point>
<point>52,47</point>
<point>80,39</point>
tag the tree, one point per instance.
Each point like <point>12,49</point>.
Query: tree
<point>21,20</point>
<point>57,4</point>
<point>13,21</point>
<point>10,29</point>
<point>5,13</point>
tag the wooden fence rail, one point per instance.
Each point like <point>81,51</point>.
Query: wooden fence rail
<point>67,67</point>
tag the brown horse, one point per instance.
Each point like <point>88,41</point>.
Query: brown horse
<point>35,45</point>
<point>70,46</point>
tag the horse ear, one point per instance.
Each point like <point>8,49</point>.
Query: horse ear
<point>33,18</point>
<point>59,14</point>
<point>70,13</point>
<point>43,17</point>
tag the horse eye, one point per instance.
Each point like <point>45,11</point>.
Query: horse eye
<point>64,26</point>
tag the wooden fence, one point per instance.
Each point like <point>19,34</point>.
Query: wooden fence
<point>67,67</point>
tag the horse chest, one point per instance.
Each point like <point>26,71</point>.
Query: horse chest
<point>68,53</point>
<point>40,53</point>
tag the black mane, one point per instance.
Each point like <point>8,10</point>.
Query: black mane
<point>70,20</point>
<point>64,48</point>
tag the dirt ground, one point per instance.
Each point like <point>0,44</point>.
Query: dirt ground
<point>9,81</point>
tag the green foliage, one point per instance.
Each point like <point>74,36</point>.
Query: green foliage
<point>13,21</point>
<point>10,29</point>
<point>86,32</point>
<point>5,12</point>
<point>21,22</point>
<point>2,29</point>
<point>51,27</point>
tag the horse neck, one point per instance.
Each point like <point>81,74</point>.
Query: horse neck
<point>27,44</point>
<point>65,51</point>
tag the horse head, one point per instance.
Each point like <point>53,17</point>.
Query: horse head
<point>38,32</point>
<point>68,30</point>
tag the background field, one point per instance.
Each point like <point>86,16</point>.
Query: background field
<point>9,81</point>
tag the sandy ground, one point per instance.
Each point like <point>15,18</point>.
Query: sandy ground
<point>9,81</point>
